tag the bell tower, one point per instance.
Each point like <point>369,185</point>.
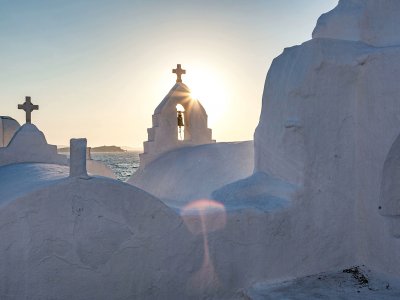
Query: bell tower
<point>178,121</point>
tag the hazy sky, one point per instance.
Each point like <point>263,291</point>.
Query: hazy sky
<point>99,68</point>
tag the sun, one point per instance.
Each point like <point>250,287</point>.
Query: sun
<point>208,87</point>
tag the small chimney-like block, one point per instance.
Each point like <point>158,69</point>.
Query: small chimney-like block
<point>77,163</point>
<point>88,153</point>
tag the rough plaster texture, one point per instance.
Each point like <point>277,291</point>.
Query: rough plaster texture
<point>8,127</point>
<point>325,160</point>
<point>364,284</point>
<point>30,145</point>
<point>191,173</point>
<point>259,191</point>
<point>97,238</point>
<point>17,180</point>
<point>89,239</point>
<point>77,159</point>
<point>374,22</point>
<point>330,117</point>
<point>163,136</point>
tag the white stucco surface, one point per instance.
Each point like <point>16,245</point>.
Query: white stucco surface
<point>8,127</point>
<point>322,197</point>
<point>29,145</point>
<point>330,123</point>
<point>191,173</point>
<point>17,180</point>
<point>77,159</point>
<point>259,191</point>
<point>73,238</point>
<point>374,22</point>
<point>163,136</point>
<point>346,284</point>
<point>96,238</point>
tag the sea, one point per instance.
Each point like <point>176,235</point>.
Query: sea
<point>124,164</point>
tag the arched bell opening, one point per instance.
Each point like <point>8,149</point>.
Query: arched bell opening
<point>180,117</point>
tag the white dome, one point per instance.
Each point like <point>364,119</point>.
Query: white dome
<point>8,127</point>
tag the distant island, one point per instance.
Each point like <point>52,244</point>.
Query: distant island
<point>98,149</point>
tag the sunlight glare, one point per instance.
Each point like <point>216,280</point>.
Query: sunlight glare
<point>179,107</point>
<point>207,86</point>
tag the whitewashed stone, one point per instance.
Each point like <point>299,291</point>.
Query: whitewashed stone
<point>77,161</point>
<point>163,136</point>
<point>325,146</point>
<point>8,127</point>
<point>29,145</point>
<point>374,22</point>
<point>191,173</point>
<point>104,239</point>
<point>343,92</point>
<point>69,238</point>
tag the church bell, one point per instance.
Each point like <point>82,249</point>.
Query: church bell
<point>180,119</point>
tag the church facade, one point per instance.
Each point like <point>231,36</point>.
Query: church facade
<point>178,121</point>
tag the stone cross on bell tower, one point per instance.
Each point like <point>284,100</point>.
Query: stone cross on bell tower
<point>179,72</point>
<point>28,107</point>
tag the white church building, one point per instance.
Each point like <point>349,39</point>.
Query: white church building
<point>178,121</point>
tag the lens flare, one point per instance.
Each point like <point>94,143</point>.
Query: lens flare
<point>208,86</point>
<point>202,217</point>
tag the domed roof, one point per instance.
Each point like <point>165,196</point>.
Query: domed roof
<point>8,127</point>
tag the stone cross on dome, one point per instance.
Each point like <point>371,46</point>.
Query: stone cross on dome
<point>179,72</point>
<point>28,107</point>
